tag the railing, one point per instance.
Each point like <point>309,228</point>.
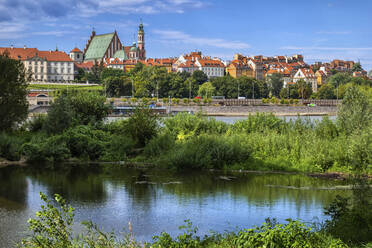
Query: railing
<point>259,102</point>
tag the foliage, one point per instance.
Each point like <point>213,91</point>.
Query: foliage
<point>41,149</point>
<point>356,67</point>
<point>206,90</point>
<point>208,151</point>
<point>13,102</point>
<point>53,228</point>
<point>276,84</point>
<point>10,146</point>
<point>355,112</point>
<point>326,91</point>
<point>304,89</point>
<point>142,125</point>
<point>183,126</point>
<point>71,109</point>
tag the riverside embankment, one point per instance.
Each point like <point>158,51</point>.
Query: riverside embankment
<point>278,110</point>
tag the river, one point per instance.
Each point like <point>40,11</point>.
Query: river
<point>233,119</point>
<point>112,196</point>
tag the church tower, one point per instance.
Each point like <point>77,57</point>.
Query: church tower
<point>141,42</point>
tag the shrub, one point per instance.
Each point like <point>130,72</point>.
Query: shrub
<point>186,125</point>
<point>118,148</point>
<point>142,125</point>
<point>10,147</point>
<point>159,144</point>
<point>52,149</point>
<point>85,142</point>
<point>209,152</point>
<point>258,123</point>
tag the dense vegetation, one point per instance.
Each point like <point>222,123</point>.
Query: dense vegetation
<point>145,81</point>
<point>13,103</point>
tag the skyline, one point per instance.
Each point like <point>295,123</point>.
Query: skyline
<point>320,30</point>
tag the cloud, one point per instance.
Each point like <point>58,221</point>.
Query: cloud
<point>10,31</point>
<point>52,33</point>
<point>172,36</point>
<point>334,32</point>
<point>327,48</point>
<point>38,10</point>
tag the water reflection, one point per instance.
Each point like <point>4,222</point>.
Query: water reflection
<point>155,201</point>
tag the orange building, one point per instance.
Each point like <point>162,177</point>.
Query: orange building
<point>238,68</point>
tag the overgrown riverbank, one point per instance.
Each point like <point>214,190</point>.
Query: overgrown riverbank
<point>74,130</point>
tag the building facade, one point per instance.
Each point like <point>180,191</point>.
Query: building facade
<point>44,66</point>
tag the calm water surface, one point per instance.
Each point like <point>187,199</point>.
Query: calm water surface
<point>233,119</point>
<point>112,196</point>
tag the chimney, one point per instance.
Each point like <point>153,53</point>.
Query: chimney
<point>24,47</point>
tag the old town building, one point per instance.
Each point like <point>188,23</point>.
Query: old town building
<point>44,66</point>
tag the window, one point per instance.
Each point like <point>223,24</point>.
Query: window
<point>78,56</point>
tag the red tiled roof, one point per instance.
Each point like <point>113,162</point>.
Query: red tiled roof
<point>54,56</point>
<point>19,53</point>
<point>27,53</point>
<point>85,65</point>
<point>76,50</point>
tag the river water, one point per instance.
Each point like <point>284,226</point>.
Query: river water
<point>112,196</point>
<point>233,119</point>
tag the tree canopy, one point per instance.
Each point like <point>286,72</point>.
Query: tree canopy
<point>13,92</point>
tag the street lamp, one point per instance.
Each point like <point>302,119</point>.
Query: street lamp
<point>253,89</point>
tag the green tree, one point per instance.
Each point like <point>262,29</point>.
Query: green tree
<point>142,125</point>
<point>275,82</point>
<point>304,89</point>
<point>111,72</point>
<point>74,108</point>
<point>326,91</point>
<point>207,90</point>
<point>339,79</point>
<point>200,77</point>
<point>356,67</point>
<point>13,92</point>
<point>356,111</point>
<point>80,75</point>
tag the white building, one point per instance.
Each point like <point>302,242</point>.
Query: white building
<point>44,66</point>
<point>194,61</point>
<point>308,76</point>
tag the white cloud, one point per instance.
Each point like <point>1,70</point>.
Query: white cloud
<point>172,36</point>
<point>17,10</point>
<point>52,33</point>
<point>10,31</point>
<point>334,32</point>
<point>327,48</point>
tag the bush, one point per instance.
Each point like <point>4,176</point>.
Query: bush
<point>85,142</point>
<point>159,145</point>
<point>10,147</point>
<point>258,123</point>
<point>207,152</point>
<point>183,126</point>
<point>142,125</point>
<point>51,149</point>
<point>117,148</point>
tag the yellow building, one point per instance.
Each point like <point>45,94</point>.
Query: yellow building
<point>237,69</point>
<point>320,77</point>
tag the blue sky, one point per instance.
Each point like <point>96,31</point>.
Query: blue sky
<point>319,29</point>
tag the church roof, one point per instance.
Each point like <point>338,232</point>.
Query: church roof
<point>75,50</point>
<point>121,54</point>
<point>98,46</point>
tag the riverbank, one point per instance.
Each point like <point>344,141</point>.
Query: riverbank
<point>277,110</point>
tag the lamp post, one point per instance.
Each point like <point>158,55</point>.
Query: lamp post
<point>189,89</point>
<point>238,89</point>
<point>253,89</point>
